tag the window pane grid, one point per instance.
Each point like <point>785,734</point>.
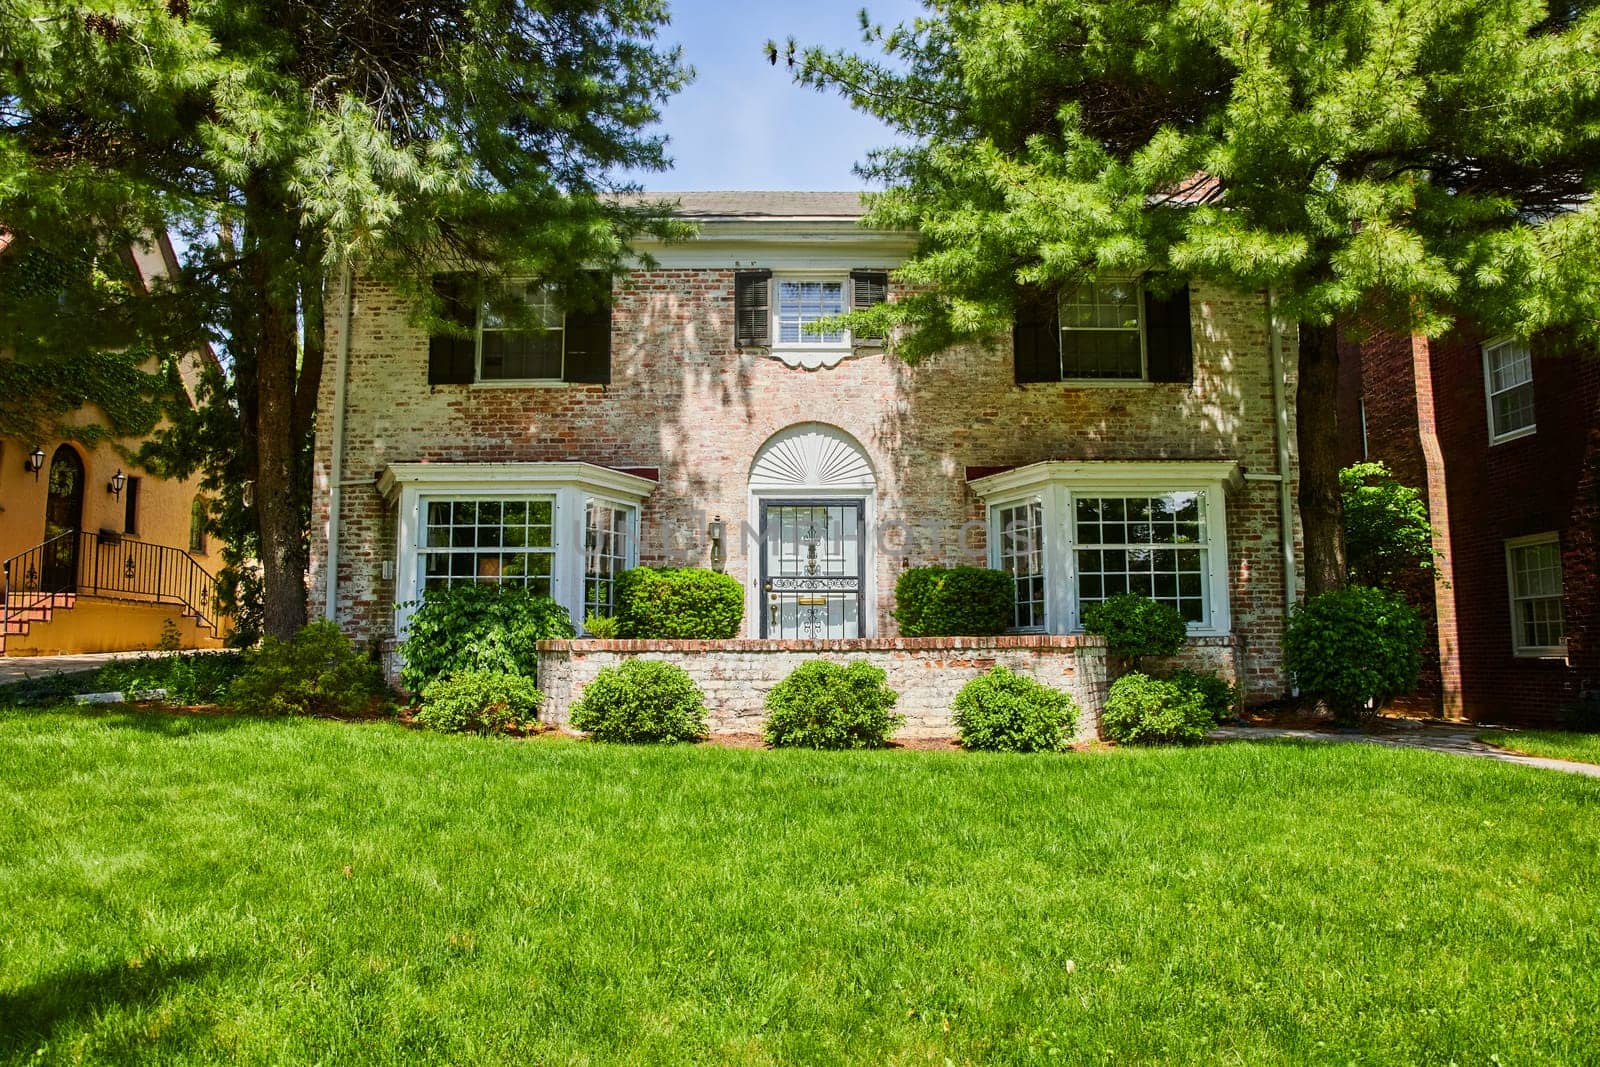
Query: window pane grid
<point>800,303</point>
<point>1538,616</point>
<point>1151,545</point>
<point>1021,552</point>
<point>497,541</point>
<point>1510,370</point>
<point>607,548</point>
<point>510,353</point>
<point>1101,330</point>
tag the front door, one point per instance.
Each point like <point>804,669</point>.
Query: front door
<point>63,514</point>
<point>811,568</point>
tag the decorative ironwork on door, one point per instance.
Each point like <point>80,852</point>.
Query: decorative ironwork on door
<point>811,569</point>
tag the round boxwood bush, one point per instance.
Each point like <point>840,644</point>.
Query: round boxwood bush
<point>1005,712</point>
<point>479,627</point>
<point>1135,626</point>
<point>828,705</point>
<point>642,701</point>
<point>1354,648</point>
<point>953,602</point>
<point>316,673</point>
<point>484,702</point>
<point>1141,710</point>
<point>678,603</point>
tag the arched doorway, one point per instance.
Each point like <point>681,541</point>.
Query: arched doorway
<point>811,498</point>
<point>63,514</point>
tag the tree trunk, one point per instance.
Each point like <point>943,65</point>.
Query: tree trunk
<point>1316,411</point>
<point>280,492</point>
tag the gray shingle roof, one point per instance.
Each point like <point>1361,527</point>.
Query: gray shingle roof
<point>736,204</point>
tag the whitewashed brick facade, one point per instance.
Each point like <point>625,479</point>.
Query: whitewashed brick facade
<point>685,403</point>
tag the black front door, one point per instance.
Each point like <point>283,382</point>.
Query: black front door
<point>63,514</point>
<point>811,568</point>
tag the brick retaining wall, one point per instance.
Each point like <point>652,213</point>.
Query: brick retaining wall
<point>927,672</point>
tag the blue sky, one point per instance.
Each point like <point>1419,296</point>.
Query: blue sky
<point>744,124</point>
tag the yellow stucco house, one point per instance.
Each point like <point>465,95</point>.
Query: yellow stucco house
<point>96,553</point>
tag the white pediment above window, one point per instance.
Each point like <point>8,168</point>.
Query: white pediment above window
<point>811,456</point>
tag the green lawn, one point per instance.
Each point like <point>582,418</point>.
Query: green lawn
<point>1556,744</point>
<point>192,889</point>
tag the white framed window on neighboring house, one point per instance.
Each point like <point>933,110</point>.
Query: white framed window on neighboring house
<point>1508,385</point>
<point>564,530</point>
<point>1072,534</point>
<point>510,352</point>
<point>1102,331</point>
<point>1533,575</point>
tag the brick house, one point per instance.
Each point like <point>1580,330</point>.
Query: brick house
<point>1120,440</point>
<point>1503,437</point>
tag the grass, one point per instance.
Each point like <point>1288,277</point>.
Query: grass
<point>212,887</point>
<point>1556,744</point>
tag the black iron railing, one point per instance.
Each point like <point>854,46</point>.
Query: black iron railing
<point>90,564</point>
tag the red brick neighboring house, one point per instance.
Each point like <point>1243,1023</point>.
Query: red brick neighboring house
<point>1503,437</point>
<point>1116,440</point>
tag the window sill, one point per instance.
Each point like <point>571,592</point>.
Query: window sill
<point>811,358</point>
<point>523,383</point>
<point>1106,383</point>
<point>1548,655</point>
<point>1514,435</point>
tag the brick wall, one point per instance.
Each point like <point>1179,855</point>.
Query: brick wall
<point>927,672</point>
<point>684,401</point>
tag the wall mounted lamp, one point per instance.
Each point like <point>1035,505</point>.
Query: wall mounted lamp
<point>35,462</point>
<point>118,480</point>
<point>717,532</point>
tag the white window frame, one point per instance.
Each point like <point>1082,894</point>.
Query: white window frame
<point>1062,329</point>
<point>630,554</point>
<point>1489,391</point>
<point>410,486</point>
<point>1057,485</point>
<point>1518,649</point>
<point>997,535</point>
<point>425,500</point>
<point>806,344</point>
<point>477,356</point>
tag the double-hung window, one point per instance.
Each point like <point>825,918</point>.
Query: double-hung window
<point>802,301</point>
<point>502,540</point>
<point>532,350</point>
<point>1508,382</point>
<point>1021,555</point>
<point>608,551</point>
<point>1533,569</point>
<point>1152,545</point>
<point>1102,330</point>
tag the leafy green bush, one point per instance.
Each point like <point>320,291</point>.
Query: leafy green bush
<point>1354,648</point>
<point>1135,626</point>
<point>479,627</point>
<point>485,702</point>
<point>953,601</point>
<point>1214,689</point>
<point>1386,528</point>
<point>1005,712</point>
<point>600,627</point>
<point>678,603</point>
<point>642,700</point>
<point>187,677</point>
<point>1141,710</point>
<point>826,705</point>
<point>317,673</point>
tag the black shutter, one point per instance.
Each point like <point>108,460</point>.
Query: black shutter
<point>452,360</point>
<point>1036,337</point>
<point>1168,344</point>
<point>589,344</point>
<point>868,289</point>
<point>752,308</point>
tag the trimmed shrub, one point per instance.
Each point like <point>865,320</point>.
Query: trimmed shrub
<point>1135,626</point>
<point>600,627</point>
<point>678,603</point>
<point>479,627</point>
<point>826,705</point>
<point>317,673</point>
<point>484,702</point>
<point>953,602</point>
<point>1005,712</point>
<point>1141,710</point>
<point>643,700</point>
<point>1354,648</point>
<point>1214,689</point>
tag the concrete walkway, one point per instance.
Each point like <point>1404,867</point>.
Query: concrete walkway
<point>1433,737</point>
<point>16,668</point>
